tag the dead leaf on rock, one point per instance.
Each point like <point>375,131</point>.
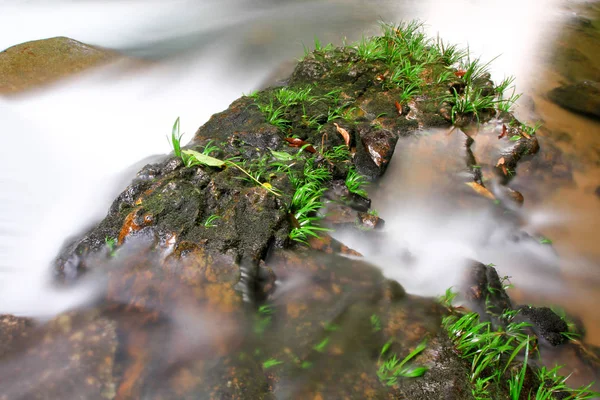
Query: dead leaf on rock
<point>344,134</point>
<point>504,130</point>
<point>295,142</point>
<point>501,164</point>
<point>481,190</point>
<point>525,134</point>
<point>398,107</point>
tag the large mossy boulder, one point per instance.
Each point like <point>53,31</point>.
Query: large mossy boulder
<point>210,283</point>
<point>40,62</point>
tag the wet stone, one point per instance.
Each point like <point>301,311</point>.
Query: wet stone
<point>547,322</point>
<point>32,64</point>
<point>12,329</point>
<point>582,97</point>
<point>72,356</point>
<point>370,221</point>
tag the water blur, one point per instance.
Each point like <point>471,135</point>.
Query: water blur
<point>70,148</point>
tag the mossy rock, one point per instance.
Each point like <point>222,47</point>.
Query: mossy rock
<point>40,62</point>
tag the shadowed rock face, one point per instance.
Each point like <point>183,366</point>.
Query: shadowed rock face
<point>582,97</point>
<point>40,62</point>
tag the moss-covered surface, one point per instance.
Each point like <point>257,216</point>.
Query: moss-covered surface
<point>209,292</point>
<point>33,64</point>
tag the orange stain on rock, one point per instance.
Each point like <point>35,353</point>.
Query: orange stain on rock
<point>295,309</point>
<point>129,226</point>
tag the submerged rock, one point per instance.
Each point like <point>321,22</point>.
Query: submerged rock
<point>33,64</point>
<point>582,97</point>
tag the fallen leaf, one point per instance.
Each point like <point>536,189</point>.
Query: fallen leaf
<point>525,134</point>
<point>481,190</point>
<point>504,130</point>
<point>344,134</point>
<point>295,142</point>
<point>460,73</point>
<point>398,107</point>
<point>500,164</point>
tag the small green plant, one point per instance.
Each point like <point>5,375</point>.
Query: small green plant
<point>369,49</point>
<point>289,97</point>
<point>263,319</point>
<point>320,347</point>
<point>375,323</point>
<point>516,381</point>
<point>271,362</point>
<point>449,54</point>
<point>552,385</point>
<point>337,154</point>
<point>274,115</point>
<point>471,101</point>
<point>545,240</point>
<point>111,245</point>
<point>491,352</point>
<point>531,130</point>
<point>447,298</point>
<point>196,158</point>
<point>319,47</point>
<point>374,212</point>
<point>393,368</point>
<point>355,183</point>
<point>475,69</point>
<point>209,223</point>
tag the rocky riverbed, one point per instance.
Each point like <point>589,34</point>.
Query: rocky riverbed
<point>216,276</point>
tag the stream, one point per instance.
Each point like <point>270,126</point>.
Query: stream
<point>69,149</point>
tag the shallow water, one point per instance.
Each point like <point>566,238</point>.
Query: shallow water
<point>69,149</point>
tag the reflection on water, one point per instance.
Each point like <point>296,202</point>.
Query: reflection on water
<point>64,148</point>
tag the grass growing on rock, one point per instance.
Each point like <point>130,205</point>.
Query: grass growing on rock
<point>499,357</point>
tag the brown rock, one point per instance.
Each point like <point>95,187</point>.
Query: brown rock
<point>32,64</point>
<point>11,329</point>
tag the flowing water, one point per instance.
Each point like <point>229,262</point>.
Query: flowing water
<point>69,149</point>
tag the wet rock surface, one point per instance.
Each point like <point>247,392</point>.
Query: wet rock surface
<point>203,294</point>
<point>551,327</point>
<point>12,329</point>
<point>582,97</point>
<point>33,64</point>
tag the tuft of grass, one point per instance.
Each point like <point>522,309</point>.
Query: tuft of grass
<point>289,97</point>
<point>449,54</point>
<point>491,352</point>
<point>271,362</point>
<point>209,223</point>
<point>375,323</point>
<point>447,298</point>
<point>355,182</point>
<point>370,50</point>
<point>531,130</point>
<point>111,245</point>
<point>337,154</point>
<point>274,115</point>
<point>320,347</point>
<point>263,319</point>
<point>393,368</point>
